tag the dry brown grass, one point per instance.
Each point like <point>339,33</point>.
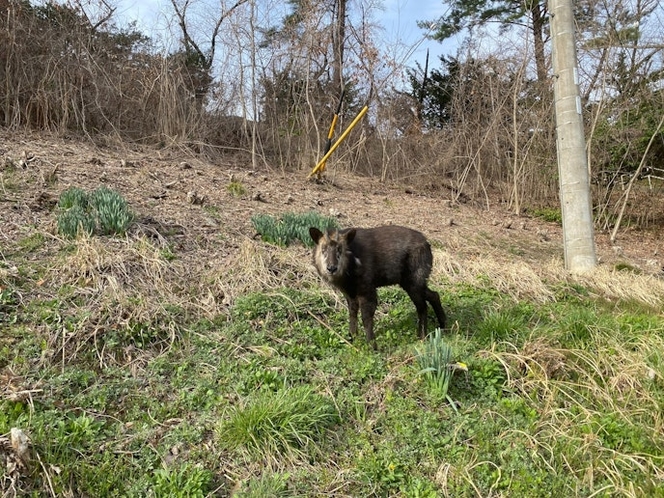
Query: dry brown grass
<point>258,267</point>
<point>538,281</point>
<point>516,279</point>
<point>623,285</point>
<point>122,284</point>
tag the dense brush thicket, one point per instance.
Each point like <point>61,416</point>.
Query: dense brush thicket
<point>62,72</point>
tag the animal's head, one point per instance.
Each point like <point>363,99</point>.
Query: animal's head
<point>331,254</point>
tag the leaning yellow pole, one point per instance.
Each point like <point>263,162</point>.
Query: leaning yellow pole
<point>321,164</point>
<point>330,134</point>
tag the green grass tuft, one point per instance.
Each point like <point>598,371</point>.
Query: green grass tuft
<point>236,188</point>
<point>187,481</point>
<point>549,214</point>
<point>73,196</point>
<point>283,423</point>
<point>274,485</point>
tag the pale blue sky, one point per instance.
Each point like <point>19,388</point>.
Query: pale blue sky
<point>398,17</point>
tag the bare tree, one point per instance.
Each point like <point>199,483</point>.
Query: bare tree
<point>196,57</point>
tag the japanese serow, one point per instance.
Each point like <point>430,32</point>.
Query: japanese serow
<point>359,260</point>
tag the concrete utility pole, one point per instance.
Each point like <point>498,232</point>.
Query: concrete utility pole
<point>578,237</point>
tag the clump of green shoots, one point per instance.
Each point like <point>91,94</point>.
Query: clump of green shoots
<point>73,197</point>
<point>103,210</point>
<point>112,211</point>
<point>435,362</point>
<point>291,227</point>
<point>76,221</point>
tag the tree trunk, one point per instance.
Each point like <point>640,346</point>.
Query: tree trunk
<point>537,13</point>
<point>338,42</point>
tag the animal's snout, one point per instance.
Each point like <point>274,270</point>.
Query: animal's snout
<point>332,268</point>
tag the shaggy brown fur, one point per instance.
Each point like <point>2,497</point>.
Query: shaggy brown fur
<point>359,260</point>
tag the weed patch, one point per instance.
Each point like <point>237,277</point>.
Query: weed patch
<point>278,424</point>
<point>128,384</point>
<point>291,227</point>
<point>236,188</point>
<point>549,214</point>
<point>435,361</point>
<point>187,481</point>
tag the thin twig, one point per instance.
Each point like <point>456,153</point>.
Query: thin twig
<point>633,179</point>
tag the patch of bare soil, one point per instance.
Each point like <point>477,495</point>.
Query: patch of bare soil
<point>187,200</point>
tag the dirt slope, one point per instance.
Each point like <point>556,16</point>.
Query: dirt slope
<point>189,199</point>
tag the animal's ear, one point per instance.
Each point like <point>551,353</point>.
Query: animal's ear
<point>350,235</point>
<point>315,234</point>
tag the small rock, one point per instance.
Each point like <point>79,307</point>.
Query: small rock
<point>289,199</point>
<point>651,374</point>
<point>210,222</point>
<point>19,443</point>
<point>194,198</point>
<point>507,223</point>
<point>335,213</point>
<point>258,197</point>
<point>185,165</point>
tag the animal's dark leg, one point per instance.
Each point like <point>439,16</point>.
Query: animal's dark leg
<point>434,299</point>
<point>353,308</point>
<point>368,306</point>
<point>419,297</point>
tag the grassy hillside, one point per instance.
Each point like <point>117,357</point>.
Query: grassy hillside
<point>173,362</point>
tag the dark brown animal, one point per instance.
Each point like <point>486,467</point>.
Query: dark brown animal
<point>359,260</point>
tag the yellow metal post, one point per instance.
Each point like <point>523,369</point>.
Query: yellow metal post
<point>321,164</point>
